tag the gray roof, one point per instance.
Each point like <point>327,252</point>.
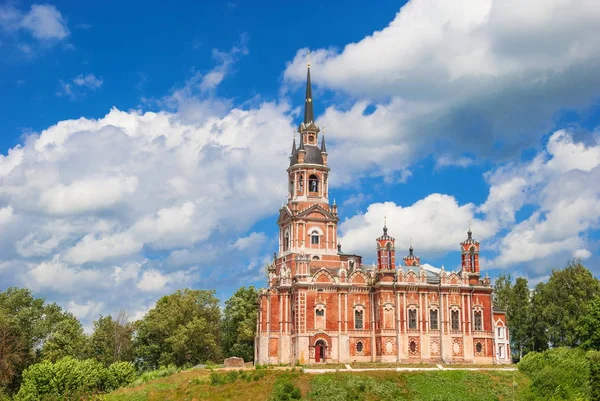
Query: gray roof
<point>313,156</point>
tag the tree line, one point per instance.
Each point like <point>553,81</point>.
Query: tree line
<point>563,311</point>
<point>185,328</point>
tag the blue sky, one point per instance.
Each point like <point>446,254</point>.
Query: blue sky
<point>144,145</point>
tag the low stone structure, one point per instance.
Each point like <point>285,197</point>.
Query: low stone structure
<point>234,362</point>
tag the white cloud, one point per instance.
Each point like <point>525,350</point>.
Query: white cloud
<point>76,88</point>
<point>45,22</point>
<point>88,81</point>
<point>467,77</point>
<point>88,309</point>
<point>582,254</point>
<point>152,280</point>
<point>560,185</point>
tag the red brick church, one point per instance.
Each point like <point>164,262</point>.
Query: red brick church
<point>324,305</point>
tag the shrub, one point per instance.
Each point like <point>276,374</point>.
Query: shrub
<point>163,371</point>
<point>284,390</point>
<point>65,379</point>
<point>558,374</point>
<point>593,358</point>
<point>121,374</point>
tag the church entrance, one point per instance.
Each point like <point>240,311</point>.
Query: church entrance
<point>320,351</point>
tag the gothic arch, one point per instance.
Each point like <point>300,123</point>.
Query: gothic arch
<point>323,273</point>
<point>358,277</point>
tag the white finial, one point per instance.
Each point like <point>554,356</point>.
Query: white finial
<point>308,55</point>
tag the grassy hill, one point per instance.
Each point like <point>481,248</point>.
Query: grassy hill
<point>274,384</point>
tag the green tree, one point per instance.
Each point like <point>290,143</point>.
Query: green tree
<point>66,338</point>
<point>562,302</point>
<point>112,339</point>
<point>31,329</point>
<point>173,331</point>
<point>518,315</point>
<point>239,323</point>
<point>502,291</point>
<point>589,326</point>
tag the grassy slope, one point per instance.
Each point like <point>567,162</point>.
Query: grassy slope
<point>195,385</point>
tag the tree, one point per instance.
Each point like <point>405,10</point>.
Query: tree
<point>518,315</point>
<point>502,291</point>
<point>589,326</point>
<point>239,323</point>
<point>31,328</point>
<point>112,340</point>
<point>173,330</point>
<point>66,338</point>
<point>562,302</point>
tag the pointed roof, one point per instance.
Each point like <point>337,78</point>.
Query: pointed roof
<point>301,147</point>
<point>294,146</point>
<point>309,115</point>
<point>323,148</point>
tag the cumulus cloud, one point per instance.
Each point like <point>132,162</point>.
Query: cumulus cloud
<point>560,185</point>
<point>455,79</point>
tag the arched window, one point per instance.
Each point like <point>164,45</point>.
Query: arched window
<point>313,183</point>
<point>301,185</point>
<point>455,321</point>
<point>320,312</point>
<point>359,346</point>
<point>412,319</point>
<point>413,347</point>
<point>477,321</point>
<point>472,258</point>
<point>314,238</point>
<point>478,348</point>
<point>291,189</point>
<point>315,257</point>
<point>358,319</point>
<point>433,319</point>
<point>286,242</point>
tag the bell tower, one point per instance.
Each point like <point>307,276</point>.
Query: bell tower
<point>308,223</point>
<point>470,257</point>
<point>386,251</point>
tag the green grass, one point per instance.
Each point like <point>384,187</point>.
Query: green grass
<point>275,385</point>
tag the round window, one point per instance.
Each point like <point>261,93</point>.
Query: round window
<point>359,346</point>
<point>413,346</point>
<point>311,139</point>
<point>479,348</point>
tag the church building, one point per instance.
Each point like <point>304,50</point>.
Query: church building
<point>324,305</point>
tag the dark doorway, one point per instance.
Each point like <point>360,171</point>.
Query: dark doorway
<point>320,351</point>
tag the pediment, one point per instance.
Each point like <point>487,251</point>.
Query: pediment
<point>316,212</point>
<point>284,214</point>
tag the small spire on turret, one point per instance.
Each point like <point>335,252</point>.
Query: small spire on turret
<point>384,225</point>
<point>301,147</point>
<point>323,148</point>
<point>294,145</point>
<point>410,250</point>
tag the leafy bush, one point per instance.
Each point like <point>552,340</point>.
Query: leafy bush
<point>593,358</point>
<point>121,374</point>
<point>68,378</point>
<point>284,390</point>
<point>558,374</point>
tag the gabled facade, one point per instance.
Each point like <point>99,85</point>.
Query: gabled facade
<point>324,305</point>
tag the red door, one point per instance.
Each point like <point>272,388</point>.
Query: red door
<point>318,353</point>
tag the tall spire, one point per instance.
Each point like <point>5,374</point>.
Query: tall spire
<point>294,146</point>
<point>309,115</point>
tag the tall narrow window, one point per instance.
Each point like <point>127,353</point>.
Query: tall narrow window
<point>477,321</point>
<point>313,183</point>
<point>286,242</point>
<point>412,319</point>
<point>433,319</point>
<point>358,319</point>
<point>455,320</point>
<point>301,185</point>
<point>314,238</point>
<point>472,259</point>
<point>388,251</point>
